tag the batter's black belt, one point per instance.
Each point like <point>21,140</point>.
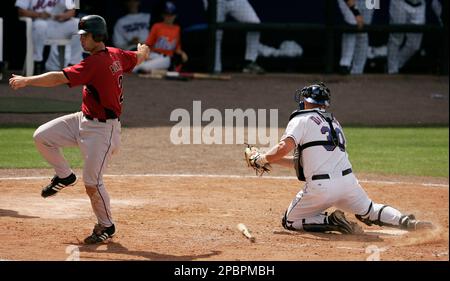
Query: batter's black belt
<point>98,119</point>
<point>327,176</point>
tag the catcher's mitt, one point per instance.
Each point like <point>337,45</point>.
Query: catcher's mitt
<point>253,158</point>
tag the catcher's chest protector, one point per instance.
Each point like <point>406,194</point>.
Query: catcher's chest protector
<point>298,150</point>
<point>297,164</point>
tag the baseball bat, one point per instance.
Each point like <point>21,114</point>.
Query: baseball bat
<point>244,230</point>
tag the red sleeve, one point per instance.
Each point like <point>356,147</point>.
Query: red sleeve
<point>128,60</point>
<point>80,74</point>
<point>151,39</point>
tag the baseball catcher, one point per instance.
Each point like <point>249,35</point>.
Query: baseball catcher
<point>320,159</point>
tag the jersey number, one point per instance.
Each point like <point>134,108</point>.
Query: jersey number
<point>120,83</point>
<point>326,130</point>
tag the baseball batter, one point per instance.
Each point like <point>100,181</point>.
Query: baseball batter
<point>52,19</point>
<point>242,11</point>
<point>354,45</point>
<point>321,159</point>
<point>96,129</point>
<point>402,46</point>
<point>131,28</point>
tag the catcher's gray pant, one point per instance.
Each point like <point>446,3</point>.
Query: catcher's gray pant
<point>402,13</point>
<point>242,11</point>
<point>97,142</point>
<point>355,45</point>
<point>342,192</point>
<point>43,29</point>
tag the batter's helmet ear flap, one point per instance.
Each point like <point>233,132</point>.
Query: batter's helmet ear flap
<point>100,37</point>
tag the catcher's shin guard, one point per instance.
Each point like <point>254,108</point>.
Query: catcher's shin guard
<point>406,222</point>
<point>286,223</point>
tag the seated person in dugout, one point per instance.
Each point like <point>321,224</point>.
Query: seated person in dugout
<point>164,43</point>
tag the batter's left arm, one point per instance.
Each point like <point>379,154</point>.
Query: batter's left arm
<point>49,79</point>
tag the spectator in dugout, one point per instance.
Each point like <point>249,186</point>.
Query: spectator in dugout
<point>164,43</point>
<point>132,28</point>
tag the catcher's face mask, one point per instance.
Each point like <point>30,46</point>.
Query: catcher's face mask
<point>316,94</point>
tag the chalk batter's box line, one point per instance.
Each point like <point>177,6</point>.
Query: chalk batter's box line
<point>234,177</point>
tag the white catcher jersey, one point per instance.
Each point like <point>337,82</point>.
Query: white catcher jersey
<point>129,27</point>
<point>52,7</point>
<point>309,127</point>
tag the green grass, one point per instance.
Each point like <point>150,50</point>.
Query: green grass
<point>399,151</point>
<point>17,150</point>
<point>390,151</point>
<point>36,105</point>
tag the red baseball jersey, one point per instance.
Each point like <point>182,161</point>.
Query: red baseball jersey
<point>102,74</point>
<point>164,38</point>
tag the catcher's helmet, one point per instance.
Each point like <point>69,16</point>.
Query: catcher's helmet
<point>93,24</point>
<point>315,93</point>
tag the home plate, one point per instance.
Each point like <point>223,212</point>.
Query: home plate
<point>393,232</point>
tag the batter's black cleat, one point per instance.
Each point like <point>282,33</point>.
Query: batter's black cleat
<point>57,184</point>
<point>100,234</point>
<point>410,223</point>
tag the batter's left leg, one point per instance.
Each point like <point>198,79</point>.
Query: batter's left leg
<point>97,142</point>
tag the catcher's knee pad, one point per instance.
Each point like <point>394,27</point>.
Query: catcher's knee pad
<point>374,215</point>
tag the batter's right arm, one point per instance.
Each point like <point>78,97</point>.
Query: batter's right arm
<point>49,79</point>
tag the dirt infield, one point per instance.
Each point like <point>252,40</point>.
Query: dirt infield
<point>195,218</point>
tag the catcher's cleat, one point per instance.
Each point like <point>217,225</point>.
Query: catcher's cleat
<point>337,218</point>
<point>410,223</point>
<point>335,222</point>
<point>100,234</point>
<point>57,184</point>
